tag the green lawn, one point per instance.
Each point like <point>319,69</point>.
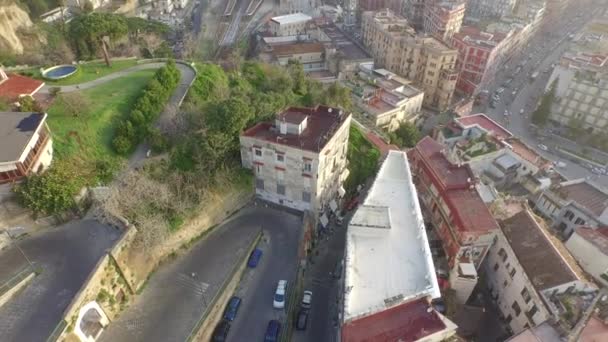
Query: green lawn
<point>88,72</point>
<point>88,135</point>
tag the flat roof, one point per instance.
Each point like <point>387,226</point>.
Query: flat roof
<point>322,123</point>
<point>486,123</point>
<point>586,195</point>
<point>543,263</point>
<point>16,131</point>
<point>291,18</point>
<point>449,174</point>
<point>343,44</point>
<point>595,236</point>
<point>388,260</point>
<point>297,48</point>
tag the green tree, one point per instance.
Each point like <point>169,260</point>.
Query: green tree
<point>211,82</point>
<point>91,30</point>
<point>28,104</point>
<point>296,71</point>
<point>229,116</point>
<point>541,115</point>
<point>406,135</point>
<point>4,104</point>
<point>337,96</point>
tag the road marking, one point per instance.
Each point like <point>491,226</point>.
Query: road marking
<point>192,283</point>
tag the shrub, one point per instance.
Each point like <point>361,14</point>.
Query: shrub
<point>122,145</point>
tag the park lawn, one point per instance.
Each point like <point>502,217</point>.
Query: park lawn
<point>362,158</point>
<point>90,71</point>
<point>88,136</point>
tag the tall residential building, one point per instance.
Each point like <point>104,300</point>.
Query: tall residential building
<point>531,276</point>
<point>350,12</point>
<point>457,212</point>
<point>481,9</point>
<point>442,19</point>
<point>299,160</point>
<point>389,274</point>
<point>427,61</point>
<point>413,10</point>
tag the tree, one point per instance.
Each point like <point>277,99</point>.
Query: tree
<point>229,116</point>
<point>296,71</point>
<point>541,115</point>
<point>91,30</point>
<point>406,135</point>
<point>75,104</point>
<point>4,104</point>
<point>28,104</point>
<point>88,7</point>
<point>337,96</point>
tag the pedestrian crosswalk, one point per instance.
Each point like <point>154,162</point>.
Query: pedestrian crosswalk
<point>191,282</point>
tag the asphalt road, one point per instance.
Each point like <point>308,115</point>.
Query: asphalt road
<point>541,53</point>
<point>66,255</point>
<point>174,300</point>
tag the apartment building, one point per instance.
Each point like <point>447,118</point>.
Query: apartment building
<point>26,145</point>
<point>589,246</point>
<point>413,10</point>
<point>572,204</point>
<point>442,19</point>
<point>289,24</point>
<point>482,9</point>
<point>425,60</point>
<point>299,160</point>
<point>389,277</point>
<point>310,54</point>
<point>387,99</point>
<point>456,210</point>
<point>530,275</point>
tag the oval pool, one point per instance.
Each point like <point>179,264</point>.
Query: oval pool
<point>60,71</point>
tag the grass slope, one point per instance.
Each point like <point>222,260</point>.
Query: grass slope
<point>88,136</point>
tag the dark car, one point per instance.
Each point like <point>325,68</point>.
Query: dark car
<point>221,331</point>
<point>254,258</point>
<point>302,319</point>
<point>337,273</point>
<point>232,308</point>
<point>272,331</point>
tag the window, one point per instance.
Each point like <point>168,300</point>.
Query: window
<point>258,152</point>
<point>258,169</point>
<point>579,221</point>
<point>505,283</point>
<point>307,166</point>
<point>516,308</point>
<point>281,189</point>
<point>306,196</point>
<point>509,319</point>
<point>495,267</point>
<point>569,215</point>
<point>280,158</point>
<point>530,313</point>
<point>525,295</point>
<point>259,184</point>
<point>503,254</point>
<point>512,273</point>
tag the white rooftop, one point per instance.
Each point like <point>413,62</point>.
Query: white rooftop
<point>388,260</point>
<point>291,18</point>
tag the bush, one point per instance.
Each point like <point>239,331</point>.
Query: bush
<point>54,91</point>
<point>122,145</point>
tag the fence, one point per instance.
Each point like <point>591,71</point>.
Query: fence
<point>237,267</point>
<point>57,331</point>
<point>19,277</point>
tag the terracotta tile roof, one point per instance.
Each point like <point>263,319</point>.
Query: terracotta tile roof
<point>540,259</point>
<point>587,196</point>
<point>17,85</point>
<point>486,123</point>
<point>297,48</point>
<point>472,212</point>
<point>322,123</point>
<point>597,237</point>
<point>405,323</point>
<point>450,175</point>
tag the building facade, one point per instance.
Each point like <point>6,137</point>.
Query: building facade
<point>589,246</point>
<point>481,9</point>
<point>299,160</point>
<point>442,19</point>
<point>26,145</point>
<point>528,275</point>
<point>454,207</point>
<point>289,24</point>
<point>427,61</point>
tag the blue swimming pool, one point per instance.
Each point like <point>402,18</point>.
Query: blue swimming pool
<point>59,72</point>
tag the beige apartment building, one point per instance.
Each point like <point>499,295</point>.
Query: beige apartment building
<point>299,160</point>
<point>427,61</point>
<point>443,19</point>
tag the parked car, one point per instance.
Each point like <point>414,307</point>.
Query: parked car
<point>439,305</point>
<point>337,273</point>
<point>272,331</point>
<point>232,308</point>
<point>254,258</point>
<point>543,147</point>
<point>307,299</point>
<point>302,320</point>
<point>500,90</point>
<point>278,301</point>
<point>561,164</point>
<point>493,104</point>
<point>521,111</point>
<point>221,331</point>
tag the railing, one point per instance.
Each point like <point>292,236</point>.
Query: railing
<point>16,279</point>
<point>57,331</point>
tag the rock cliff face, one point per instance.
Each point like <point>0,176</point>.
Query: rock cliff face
<point>12,19</point>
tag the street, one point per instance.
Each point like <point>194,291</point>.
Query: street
<point>173,300</point>
<point>66,255</point>
<point>541,54</point>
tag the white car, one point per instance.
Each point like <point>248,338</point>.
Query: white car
<point>307,299</point>
<point>278,301</point>
<point>543,147</point>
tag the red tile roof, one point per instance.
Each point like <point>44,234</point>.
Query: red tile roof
<point>491,126</point>
<point>451,176</point>
<point>379,143</point>
<point>587,196</point>
<point>598,237</point>
<point>321,125</point>
<point>470,211</point>
<point>407,322</point>
<point>17,85</point>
